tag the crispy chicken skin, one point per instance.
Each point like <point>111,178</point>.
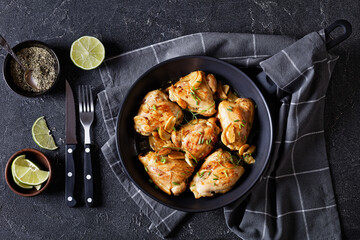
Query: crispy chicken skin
<point>197,138</point>
<point>195,92</point>
<point>155,112</point>
<point>236,120</point>
<point>218,174</point>
<point>170,175</point>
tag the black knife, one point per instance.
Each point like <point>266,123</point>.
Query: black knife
<point>70,131</point>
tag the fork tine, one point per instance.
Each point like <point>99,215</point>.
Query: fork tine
<point>80,100</point>
<point>87,98</point>
<point>83,98</point>
<point>91,100</point>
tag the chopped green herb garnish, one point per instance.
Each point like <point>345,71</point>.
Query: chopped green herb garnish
<point>156,187</point>
<point>193,185</point>
<point>192,156</point>
<point>226,174</point>
<point>214,184</point>
<point>215,179</point>
<point>197,102</point>
<point>154,107</point>
<point>163,160</point>
<point>225,167</point>
<point>232,160</point>
<point>202,140</point>
<point>146,169</point>
<point>196,98</point>
<point>230,108</point>
<point>176,183</point>
<point>242,125</point>
<point>237,120</point>
<point>174,129</point>
<point>157,129</point>
<point>198,174</point>
<point>200,133</point>
<point>215,176</point>
<point>151,181</point>
<point>209,173</point>
<point>202,174</point>
<point>183,174</point>
<point>198,81</point>
<point>244,121</point>
<point>202,111</point>
<point>199,142</point>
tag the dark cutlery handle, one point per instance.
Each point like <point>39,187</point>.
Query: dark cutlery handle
<point>347,28</point>
<point>70,176</point>
<point>88,174</point>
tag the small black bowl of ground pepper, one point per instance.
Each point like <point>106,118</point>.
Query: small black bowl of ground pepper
<point>38,57</point>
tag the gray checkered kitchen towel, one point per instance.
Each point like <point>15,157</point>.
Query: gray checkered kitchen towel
<point>295,199</point>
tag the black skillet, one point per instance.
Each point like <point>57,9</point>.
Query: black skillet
<point>130,144</point>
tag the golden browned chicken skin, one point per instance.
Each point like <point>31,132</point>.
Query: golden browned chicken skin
<point>197,138</point>
<point>157,113</point>
<point>236,118</point>
<point>218,174</point>
<point>168,171</point>
<point>195,92</point>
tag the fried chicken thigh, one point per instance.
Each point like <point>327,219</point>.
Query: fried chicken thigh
<point>157,113</point>
<point>169,172</point>
<point>197,138</point>
<point>195,92</point>
<point>218,174</point>
<point>236,118</point>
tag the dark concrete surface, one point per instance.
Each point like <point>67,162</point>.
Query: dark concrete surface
<point>126,25</point>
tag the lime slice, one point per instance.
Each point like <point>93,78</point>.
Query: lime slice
<point>41,134</point>
<point>13,174</point>
<point>17,180</point>
<point>27,172</point>
<point>87,52</point>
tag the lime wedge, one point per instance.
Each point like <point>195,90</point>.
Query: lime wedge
<point>26,172</point>
<point>13,174</point>
<point>22,157</point>
<point>41,134</point>
<point>87,52</point>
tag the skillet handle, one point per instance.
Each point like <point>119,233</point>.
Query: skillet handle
<point>345,25</point>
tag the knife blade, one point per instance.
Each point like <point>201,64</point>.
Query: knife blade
<point>70,131</point>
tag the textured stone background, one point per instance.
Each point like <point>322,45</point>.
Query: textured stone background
<point>129,24</point>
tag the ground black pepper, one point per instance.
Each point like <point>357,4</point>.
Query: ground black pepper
<point>41,62</point>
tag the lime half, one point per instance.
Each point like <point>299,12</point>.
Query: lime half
<point>87,52</point>
<point>41,134</point>
<point>27,173</point>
